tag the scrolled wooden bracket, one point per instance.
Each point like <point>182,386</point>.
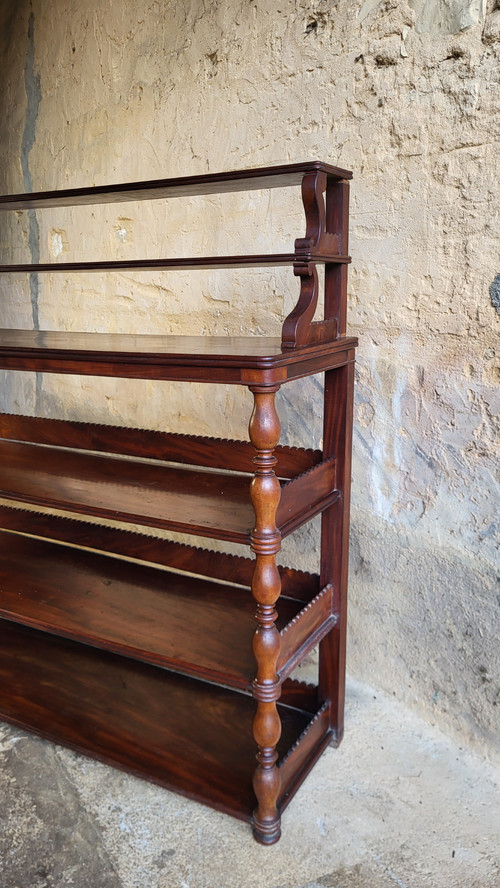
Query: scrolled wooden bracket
<point>299,328</point>
<point>318,238</point>
<point>319,244</point>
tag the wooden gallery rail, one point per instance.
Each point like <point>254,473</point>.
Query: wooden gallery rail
<point>149,669</point>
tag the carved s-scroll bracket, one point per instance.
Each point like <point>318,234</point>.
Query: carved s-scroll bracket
<point>298,328</point>
<point>318,239</point>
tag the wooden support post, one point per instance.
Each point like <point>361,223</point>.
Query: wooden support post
<point>265,492</point>
<point>337,220</point>
<point>335,541</point>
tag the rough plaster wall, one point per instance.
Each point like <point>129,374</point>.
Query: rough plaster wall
<point>406,95</point>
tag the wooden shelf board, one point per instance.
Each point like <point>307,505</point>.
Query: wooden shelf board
<point>191,737</point>
<point>231,361</point>
<point>202,353</point>
<point>271,260</point>
<point>286,175</point>
<point>194,450</point>
<point>207,563</point>
<point>207,503</point>
<point>193,625</point>
<point>182,498</point>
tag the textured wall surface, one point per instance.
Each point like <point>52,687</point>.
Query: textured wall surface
<point>406,94</point>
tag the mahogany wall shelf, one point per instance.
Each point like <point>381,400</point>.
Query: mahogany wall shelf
<point>144,652</point>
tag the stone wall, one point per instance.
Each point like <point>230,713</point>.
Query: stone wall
<point>406,94</point>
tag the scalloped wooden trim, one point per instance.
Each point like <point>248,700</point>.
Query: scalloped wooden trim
<point>324,462</point>
<point>155,434</point>
<point>241,560</point>
<point>298,618</point>
<point>305,631</point>
<point>320,713</point>
<point>308,686</point>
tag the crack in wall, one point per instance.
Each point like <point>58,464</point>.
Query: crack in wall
<point>33,98</point>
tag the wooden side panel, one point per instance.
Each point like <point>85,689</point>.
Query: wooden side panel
<point>305,630</point>
<point>300,759</point>
<point>337,213</point>
<point>300,695</point>
<point>305,496</point>
<point>335,541</point>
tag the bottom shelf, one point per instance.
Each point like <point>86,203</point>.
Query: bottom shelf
<point>191,737</point>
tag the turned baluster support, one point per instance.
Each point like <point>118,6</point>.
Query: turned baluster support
<point>265,493</point>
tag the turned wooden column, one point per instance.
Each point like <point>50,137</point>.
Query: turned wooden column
<point>265,492</point>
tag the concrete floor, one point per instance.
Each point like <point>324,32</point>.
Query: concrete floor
<point>397,805</point>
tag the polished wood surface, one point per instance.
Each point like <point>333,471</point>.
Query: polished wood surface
<point>265,492</point>
<point>207,352</point>
<point>230,360</point>
<point>176,497</point>
<point>283,176</point>
<point>337,438</point>
<point>137,610</point>
<point>187,735</point>
<point>145,652</point>
<point>215,453</point>
<point>269,260</point>
<point>234,569</point>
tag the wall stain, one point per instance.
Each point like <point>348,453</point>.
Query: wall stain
<point>33,98</point>
<point>495,293</point>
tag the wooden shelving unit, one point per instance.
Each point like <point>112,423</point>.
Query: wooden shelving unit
<point>144,652</point>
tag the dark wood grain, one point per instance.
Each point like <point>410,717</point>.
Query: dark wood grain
<point>301,758</point>
<point>115,642</point>
<point>234,569</point>
<point>229,360</point>
<point>306,495</point>
<point>211,504</point>
<point>338,421</point>
<point>269,260</point>
<point>305,630</point>
<point>137,610</point>
<point>283,176</point>
<point>193,450</point>
<point>244,351</point>
<point>192,737</point>
<point>176,497</point>
<point>264,430</point>
<point>337,218</point>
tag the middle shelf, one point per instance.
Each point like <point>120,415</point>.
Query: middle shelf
<point>162,615</point>
<point>164,481</point>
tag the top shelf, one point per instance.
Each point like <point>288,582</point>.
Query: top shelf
<point>185,186</point>
<point>227,359</point>
<point>324,193</point>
